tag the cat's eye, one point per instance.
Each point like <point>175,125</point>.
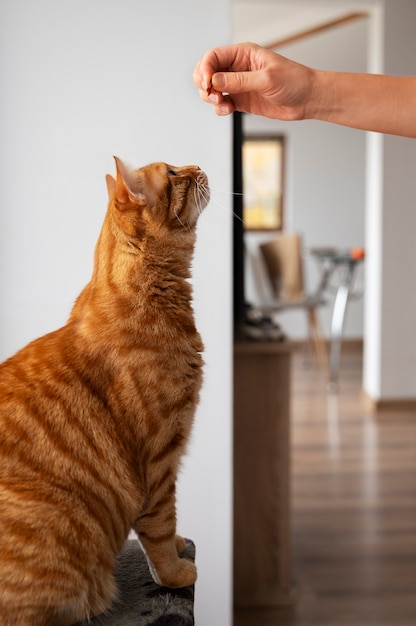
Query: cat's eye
<point>171,173</point>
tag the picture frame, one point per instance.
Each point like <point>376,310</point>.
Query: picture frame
<point>263,179</point>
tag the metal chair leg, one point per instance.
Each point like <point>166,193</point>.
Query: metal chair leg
<point>337,327</point>
<point>317,339</point>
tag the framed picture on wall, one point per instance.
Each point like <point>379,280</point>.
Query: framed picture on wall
<point>262,159</point>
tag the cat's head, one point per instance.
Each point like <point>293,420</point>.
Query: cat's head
<point>158,197</point>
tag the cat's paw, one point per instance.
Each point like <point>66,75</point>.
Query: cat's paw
<point>180,544</point>
<point>188,574</point>
<point>183,575</point>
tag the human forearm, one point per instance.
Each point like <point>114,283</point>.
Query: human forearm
<point>373,102</point>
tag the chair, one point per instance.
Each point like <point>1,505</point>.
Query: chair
<point>284,267</point>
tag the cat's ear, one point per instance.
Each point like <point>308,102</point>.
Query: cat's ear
<point>127,181</point>
<point>111,185</point>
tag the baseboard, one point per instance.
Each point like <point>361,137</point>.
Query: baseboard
<point>389,405</point>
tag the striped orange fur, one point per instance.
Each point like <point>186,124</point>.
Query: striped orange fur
<point>95,416</point>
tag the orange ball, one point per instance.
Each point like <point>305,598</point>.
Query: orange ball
<point>357,253</point>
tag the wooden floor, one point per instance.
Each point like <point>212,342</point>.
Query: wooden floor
<point>354,509</point>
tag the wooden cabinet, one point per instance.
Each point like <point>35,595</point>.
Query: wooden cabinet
<point>262,553</point>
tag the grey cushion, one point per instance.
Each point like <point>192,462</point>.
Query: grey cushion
<point>141,601</point>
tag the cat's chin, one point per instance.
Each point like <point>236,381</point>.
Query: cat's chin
<point>203,191</point>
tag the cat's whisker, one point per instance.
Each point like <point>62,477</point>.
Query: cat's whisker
<point>209,196</point>
<point>226,192</point>
<point>205,196</point>
<point>185,226</point>
<point>201,192</point>
<point>225,208</point>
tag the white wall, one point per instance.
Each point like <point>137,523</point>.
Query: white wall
<point>324,174</point>
<point>82,80</point>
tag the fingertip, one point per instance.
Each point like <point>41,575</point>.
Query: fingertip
<point>223,109</point>
<point>199,78</point>
<point>203,95</point>
<point>213,97</point>
<point>219,81</point>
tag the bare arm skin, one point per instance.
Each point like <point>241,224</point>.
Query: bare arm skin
<point>248,78</point>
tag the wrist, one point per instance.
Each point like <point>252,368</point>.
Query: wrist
<point>318,105</point>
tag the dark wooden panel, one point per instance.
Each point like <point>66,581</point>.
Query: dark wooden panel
<point>261,474</point>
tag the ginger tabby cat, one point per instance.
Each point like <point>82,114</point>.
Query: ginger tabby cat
<point>94,417</point>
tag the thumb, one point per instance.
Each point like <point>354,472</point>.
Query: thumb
<point>237,82</point>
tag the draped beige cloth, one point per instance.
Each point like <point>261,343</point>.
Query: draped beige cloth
<point>283,258</point>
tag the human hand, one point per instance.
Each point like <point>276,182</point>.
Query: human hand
<point>251,79</point>
<point>248,78</point>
